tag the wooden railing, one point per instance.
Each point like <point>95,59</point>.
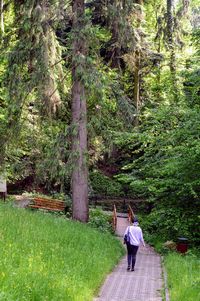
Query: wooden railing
<point>114,218</point>
<point>130,214</point>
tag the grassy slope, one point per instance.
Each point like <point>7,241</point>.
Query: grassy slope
<point>183,277</point>
<point>49,258</point>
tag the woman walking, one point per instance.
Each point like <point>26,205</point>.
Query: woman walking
<point>133,237</point>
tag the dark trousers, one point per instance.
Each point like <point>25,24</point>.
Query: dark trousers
<point>131,256</point>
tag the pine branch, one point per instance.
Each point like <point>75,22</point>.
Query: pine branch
<point>64,77</point>
<point>62,59</point>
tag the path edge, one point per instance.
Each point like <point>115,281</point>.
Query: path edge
<point>166,290</point>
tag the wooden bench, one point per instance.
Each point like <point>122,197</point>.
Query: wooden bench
<point>48,204</point>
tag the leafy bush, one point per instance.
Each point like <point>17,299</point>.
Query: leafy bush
<point>105,186</point>
<point>164,168</point>
<point>162,225</point>
<point>100,220</point>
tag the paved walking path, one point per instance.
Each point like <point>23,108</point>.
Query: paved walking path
<point>144,284</point>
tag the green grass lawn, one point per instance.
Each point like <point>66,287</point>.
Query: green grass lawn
<point>49,258</point>
<point>183,274</point>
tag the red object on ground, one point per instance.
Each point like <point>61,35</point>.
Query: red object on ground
<point>182,247</point>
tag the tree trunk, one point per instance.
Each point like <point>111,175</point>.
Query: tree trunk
<point>1,14</point>
<point>116,43</point>
<point>159,71</point>
<point>170,31</point>
<point>137,69</point>
<point>79,118</point>
<point>137,85</point>
<point>170,35</point>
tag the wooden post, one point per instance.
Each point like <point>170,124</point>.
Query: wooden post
<point>3,188</point>
<point>130,214</point>
<point>114,218</point>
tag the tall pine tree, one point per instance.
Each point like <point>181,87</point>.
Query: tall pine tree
<point>79,115</point>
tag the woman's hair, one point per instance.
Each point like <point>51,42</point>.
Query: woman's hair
<point>135,219</point>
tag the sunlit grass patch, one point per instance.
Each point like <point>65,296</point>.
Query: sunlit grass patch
<point>183,277</point>
<point>48,258</point>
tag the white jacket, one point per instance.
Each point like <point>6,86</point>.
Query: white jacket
<point>135,234</point>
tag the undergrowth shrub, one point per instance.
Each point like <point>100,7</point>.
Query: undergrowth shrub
<point>105,186</point>
<point>163,225</point>
<point>100,220</point>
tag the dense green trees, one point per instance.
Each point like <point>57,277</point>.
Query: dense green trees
<point>99,84</point>
<point>164,155</point>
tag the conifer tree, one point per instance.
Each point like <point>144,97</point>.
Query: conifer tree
<point>1,17</point>
<point>79,115</point>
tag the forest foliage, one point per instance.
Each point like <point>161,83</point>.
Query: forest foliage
<point>141,75</point>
